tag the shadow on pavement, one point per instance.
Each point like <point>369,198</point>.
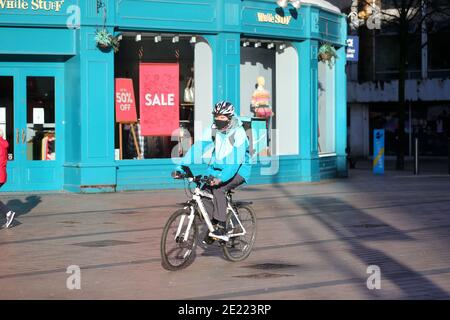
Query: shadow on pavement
<point>400,275</point>
<point>24,207</point>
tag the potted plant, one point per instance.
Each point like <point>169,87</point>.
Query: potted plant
<point>106,40</point>
<point>327,54</point>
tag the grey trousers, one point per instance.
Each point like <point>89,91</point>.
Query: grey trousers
<point>220,199</point>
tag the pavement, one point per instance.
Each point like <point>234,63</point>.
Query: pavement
<point>324,240</point>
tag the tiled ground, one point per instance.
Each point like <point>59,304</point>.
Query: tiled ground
<point>315,241</point>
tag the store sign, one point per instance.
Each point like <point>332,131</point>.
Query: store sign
<point>378,151</point>
<point>352,48</point>
<point>271,18</point>
<point>159,98</point>
<point>34,5</point>
<point>125,102</point>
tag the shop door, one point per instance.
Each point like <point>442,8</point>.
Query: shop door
<point>31,117</point>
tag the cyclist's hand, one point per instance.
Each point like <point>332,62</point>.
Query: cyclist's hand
<point>215,182</point>
<point>177,174</point>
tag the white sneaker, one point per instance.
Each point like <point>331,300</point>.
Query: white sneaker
<point>9,218</point>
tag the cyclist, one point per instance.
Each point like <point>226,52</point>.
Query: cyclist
<point>229,165</point>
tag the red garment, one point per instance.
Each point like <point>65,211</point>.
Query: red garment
<point>3,159</point>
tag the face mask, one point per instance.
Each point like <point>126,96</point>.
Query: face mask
<point>221,124</point>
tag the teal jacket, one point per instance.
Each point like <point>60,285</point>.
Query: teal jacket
<point>226,156</point>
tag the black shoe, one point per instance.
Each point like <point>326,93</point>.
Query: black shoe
<point>208,240</point>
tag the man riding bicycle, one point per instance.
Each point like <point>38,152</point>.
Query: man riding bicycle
<point>229,165</point>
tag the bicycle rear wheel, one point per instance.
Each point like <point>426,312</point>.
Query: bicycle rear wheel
<point>177,253</point>
<point>239,248</point>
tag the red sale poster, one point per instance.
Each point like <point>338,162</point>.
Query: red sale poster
<point>125,102</point>
<point>159,98</point>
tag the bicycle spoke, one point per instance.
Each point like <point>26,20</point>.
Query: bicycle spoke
<point>239,247</point>
<point>175,251</point>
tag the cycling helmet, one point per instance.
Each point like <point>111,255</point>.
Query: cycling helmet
<point>223,108</point>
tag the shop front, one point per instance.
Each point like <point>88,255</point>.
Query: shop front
<point>87,118</point>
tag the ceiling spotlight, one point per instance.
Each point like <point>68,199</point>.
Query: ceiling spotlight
<point>175,39</point>
<point>296,3</point>
<point>257,44</point>
<point>282,46</point>
<point>245,44</point>
<point>282,3</point>
<point>138,37</point>
<point>157,39</point>
<point>193,40</point>
<point>270,45</point>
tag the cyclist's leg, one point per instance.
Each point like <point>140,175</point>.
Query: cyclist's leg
<point>220,200</point>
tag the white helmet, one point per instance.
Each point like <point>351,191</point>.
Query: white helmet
<point>223,108</point>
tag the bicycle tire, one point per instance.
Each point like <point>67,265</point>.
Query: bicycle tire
<point>190,245</point>
<point>229,248</point>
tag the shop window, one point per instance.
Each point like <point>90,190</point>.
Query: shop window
<point>439,54</point>
<point>41,135</point>
<point>139,140</point>
<point>326,108</point>
<point>386,117</point>
<point>387,57</point>
<point>431,124</point>
<point>269,96</point>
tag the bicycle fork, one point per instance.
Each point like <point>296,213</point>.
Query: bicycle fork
<point>188,229</point>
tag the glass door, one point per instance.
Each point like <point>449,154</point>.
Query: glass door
<point>31,116</point>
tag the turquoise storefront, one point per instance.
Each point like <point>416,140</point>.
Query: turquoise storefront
<point>57,88</point>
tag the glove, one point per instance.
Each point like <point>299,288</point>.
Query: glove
<point>178,173</point>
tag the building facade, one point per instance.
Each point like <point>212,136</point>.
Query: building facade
<point>57,88</point>
<point>373,86</point>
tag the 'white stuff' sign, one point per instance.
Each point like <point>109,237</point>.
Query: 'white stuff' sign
<point>276,19</point>
<point>34,5</point>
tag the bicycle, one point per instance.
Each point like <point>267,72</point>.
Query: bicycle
<point>181,232</point>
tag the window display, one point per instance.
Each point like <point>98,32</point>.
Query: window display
<point>261,100</point>
<point>40,136</point>
<point>257,86</point>
<point>145,59</point>
<point>270,63</point>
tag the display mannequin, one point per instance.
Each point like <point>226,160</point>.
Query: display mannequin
<point>261,100</point>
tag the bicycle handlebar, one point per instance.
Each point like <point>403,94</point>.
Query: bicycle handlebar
<point>187,174</point>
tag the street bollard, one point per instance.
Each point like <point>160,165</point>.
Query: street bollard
<point>416,156</point>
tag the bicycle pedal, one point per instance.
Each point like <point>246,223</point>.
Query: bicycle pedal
<point>208,240</point>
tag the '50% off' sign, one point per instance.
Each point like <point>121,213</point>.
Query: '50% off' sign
<point>125,102</point>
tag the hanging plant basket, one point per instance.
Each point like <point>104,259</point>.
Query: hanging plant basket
<point>106,41</point>
<point>327,54</point>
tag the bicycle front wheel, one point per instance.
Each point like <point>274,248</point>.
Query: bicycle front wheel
<point>238,248</point>
<point>177,250</point>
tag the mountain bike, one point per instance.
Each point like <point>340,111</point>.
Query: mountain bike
<point>191,225</point>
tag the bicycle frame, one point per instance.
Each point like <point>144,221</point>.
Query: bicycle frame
<point>197,197</point>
